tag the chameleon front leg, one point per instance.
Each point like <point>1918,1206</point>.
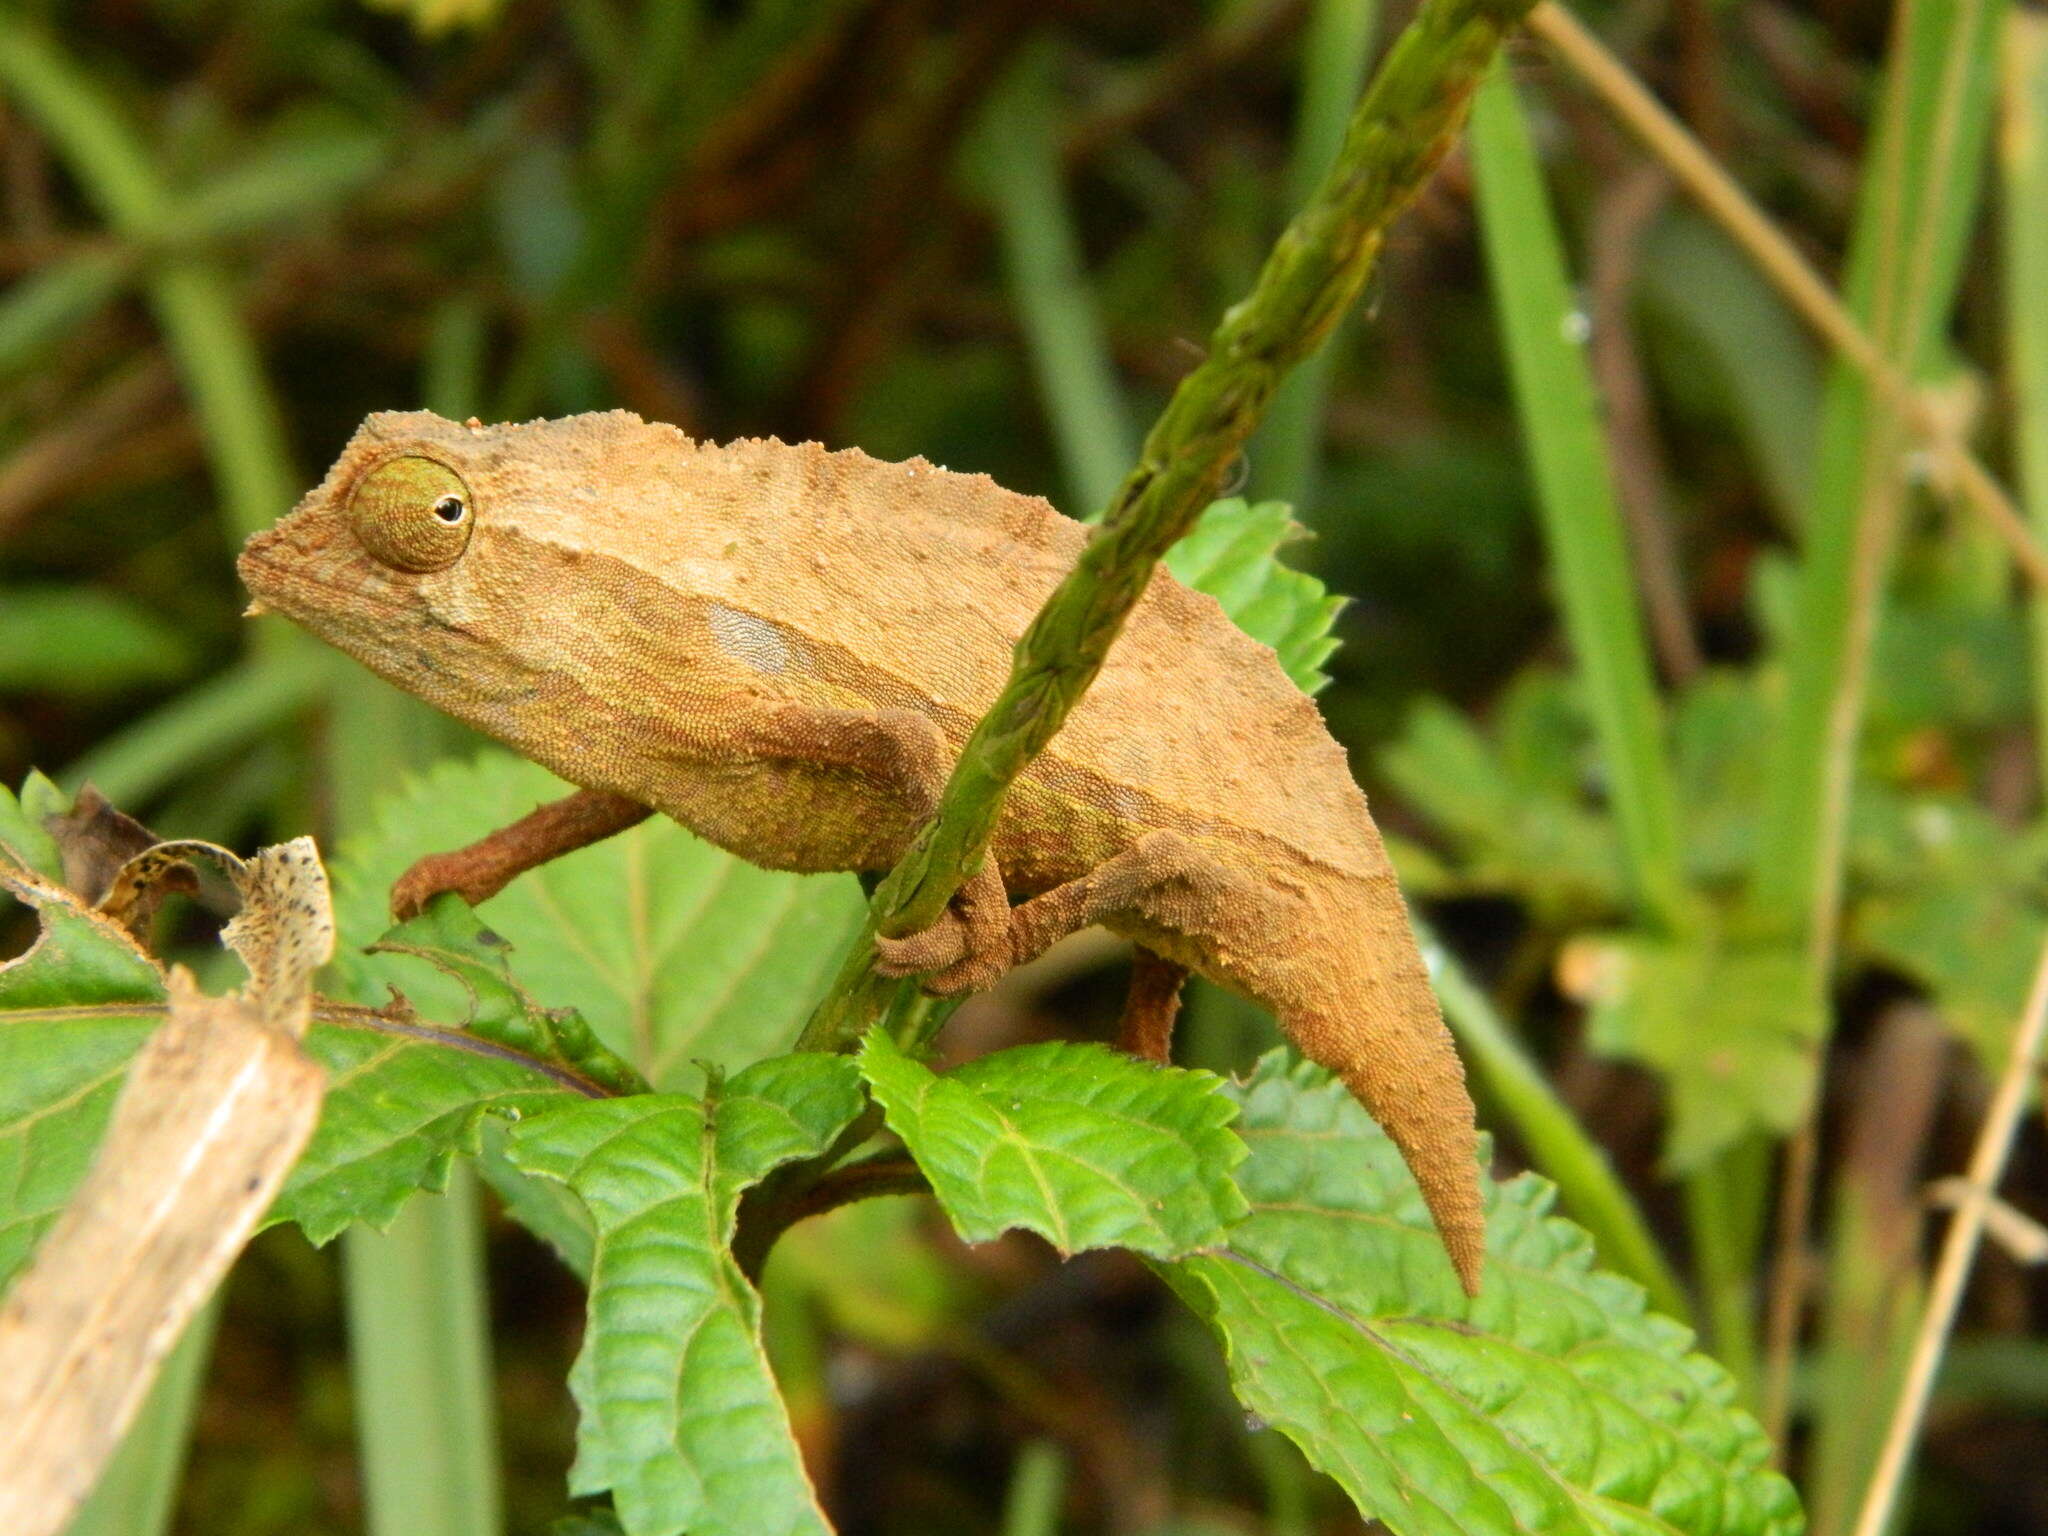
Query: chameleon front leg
<point>488,865</point>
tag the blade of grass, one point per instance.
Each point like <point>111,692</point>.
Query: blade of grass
<point>137,1493</point>
<point>1014,162</point>
<point>1542,328</point>
<point>2023,166</point>
<point>1032,1506</point>
<point>1724,1216</point>
<point>1286,457</point>
<point>1919,200</point>
<point>420,1361</point>
<point>1399,133</point>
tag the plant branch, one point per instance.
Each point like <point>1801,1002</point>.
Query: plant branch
<point>1400,132</point>
<point>1723,201</point>
<point>771,1209</point>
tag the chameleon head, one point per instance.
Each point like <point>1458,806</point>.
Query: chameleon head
<point>372,560</point>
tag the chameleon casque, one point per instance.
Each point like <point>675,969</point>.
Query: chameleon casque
<point>785,648</point>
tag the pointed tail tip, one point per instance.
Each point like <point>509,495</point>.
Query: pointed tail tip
<point>1466,1244</point>
<point>1458,1209</point>
<point>1435,1135</point>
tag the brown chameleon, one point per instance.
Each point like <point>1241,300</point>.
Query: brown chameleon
<point>784,649</point>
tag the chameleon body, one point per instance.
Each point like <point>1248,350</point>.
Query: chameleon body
<point>784,648</point>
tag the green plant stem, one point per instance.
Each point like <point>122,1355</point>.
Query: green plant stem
<point>1919,196</point>
<point>1557,1144</point>
<point>1032,1506</point>
<point>418,1307</point>
<point>1286,459</point>
<point>2023,167</point>
<point>1014,161</point>
<point>420,1360</point>
<point>1724,1207</point>
<point>1402,129</point>
<point>1575,489</point>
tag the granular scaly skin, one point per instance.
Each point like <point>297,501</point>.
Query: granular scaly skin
<point>784,649</point>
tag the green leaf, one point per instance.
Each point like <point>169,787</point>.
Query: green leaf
<point>73,1009</point>
<point>84,640</point>
<point>451,938</point>
<point>398,1111</point>
<point>674,950</point>
<point>1553,1402</point>
<point>1729,1026</point>
<point>1719,732</point>
<point>1012,160</point>
<point>1233,555</point>
<point>1081,1144</point>
<point>25,839</point>
<point>1514,808</point>
<point>1943,659</point>
<point>1956,902</point>
<point>681,1420</point>
<point>76,1007</point>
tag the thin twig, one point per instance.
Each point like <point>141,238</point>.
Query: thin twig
<point>1958,1250</point>
<point>1803,288</point>
<point>1400,133</point>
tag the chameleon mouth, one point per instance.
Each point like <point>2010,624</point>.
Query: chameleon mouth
<point>285,577</point>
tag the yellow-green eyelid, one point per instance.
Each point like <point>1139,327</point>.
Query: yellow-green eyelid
<point>413,513</point>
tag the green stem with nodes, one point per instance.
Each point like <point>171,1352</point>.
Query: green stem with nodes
<point>1401,130</point>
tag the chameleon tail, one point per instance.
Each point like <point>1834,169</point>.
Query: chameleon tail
<point>1375,1024</point>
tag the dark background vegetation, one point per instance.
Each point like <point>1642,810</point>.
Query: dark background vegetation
<point>803,218</point>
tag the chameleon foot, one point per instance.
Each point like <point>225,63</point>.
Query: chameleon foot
<point>488,865</point>
<point>967,949</point>
<point>441,872</point>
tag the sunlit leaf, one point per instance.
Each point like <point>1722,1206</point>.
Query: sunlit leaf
<point>1081,1144</point>
<point>681,1420</point>
<point>1553,1402</point>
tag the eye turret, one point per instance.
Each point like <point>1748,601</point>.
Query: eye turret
<point>413,513</point>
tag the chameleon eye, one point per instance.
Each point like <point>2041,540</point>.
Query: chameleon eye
<point>413,513</point>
